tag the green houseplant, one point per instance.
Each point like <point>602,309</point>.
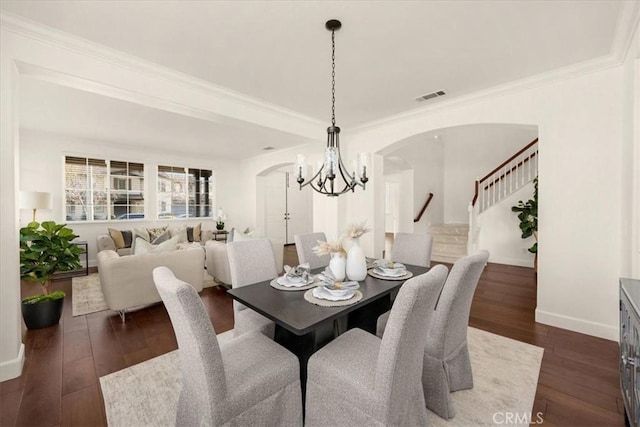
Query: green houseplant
<point>528,216</point>
<point>44,250</point>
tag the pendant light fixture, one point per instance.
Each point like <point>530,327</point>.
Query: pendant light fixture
<point>332,177</point>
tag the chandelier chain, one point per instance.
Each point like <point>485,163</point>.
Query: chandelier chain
<point>333,78</point>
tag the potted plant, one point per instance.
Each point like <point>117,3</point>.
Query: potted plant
<point>528,216</point>
<point>220,219</point>
<point>45,250</point>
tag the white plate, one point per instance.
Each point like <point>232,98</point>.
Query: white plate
<point>321,293</point>
<point>284,281</point>
<point>390,272</point>
<point>336,292</point>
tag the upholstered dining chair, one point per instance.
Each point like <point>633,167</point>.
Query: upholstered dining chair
<point>412,248</point>
<point>251,261</point>
<point>249,381</point>
<point>447,366</point>
<point>359,379</point>
<point>304,248</point>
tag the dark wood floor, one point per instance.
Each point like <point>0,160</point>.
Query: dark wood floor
<point>578,383</point>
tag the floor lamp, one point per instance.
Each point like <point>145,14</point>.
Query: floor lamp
<point>35,200</point>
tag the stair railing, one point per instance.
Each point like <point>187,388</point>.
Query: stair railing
<point>511,175</point>
<point>424,208</point>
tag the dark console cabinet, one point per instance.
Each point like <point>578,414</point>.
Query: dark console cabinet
<point>630,348</point>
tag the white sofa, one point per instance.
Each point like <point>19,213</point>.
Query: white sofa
<point>218,260</point>
<point>127,281</point>
<point>105,242</point>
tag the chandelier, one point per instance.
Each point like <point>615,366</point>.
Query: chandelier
<point>324,181</point>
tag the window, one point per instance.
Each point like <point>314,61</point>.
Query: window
<point>97,189</point>
<point>184,193</point>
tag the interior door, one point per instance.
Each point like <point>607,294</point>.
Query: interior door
<point>275,206</point>
<point>299,209</point>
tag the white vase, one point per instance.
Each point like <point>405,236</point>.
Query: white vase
<point>337,265</point>
<point>356,262</point>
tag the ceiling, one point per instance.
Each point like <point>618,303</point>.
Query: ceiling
<point>387,53</point>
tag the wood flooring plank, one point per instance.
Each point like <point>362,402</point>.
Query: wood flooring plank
<point>40,404</point>
<point>9,407</point>
<point>76,345</point>
<point>566,410</point>
<point>83,408</point>
<point>78,374</point>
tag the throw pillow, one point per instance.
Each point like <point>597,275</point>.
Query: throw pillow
<point>144,247</point>
<point>155,232</point>
<point>197,230</point>
<point>181,232</point>
<point>141,232</point>
<point>194,234</point>
<point>163,238</point>
<point>121,238</point>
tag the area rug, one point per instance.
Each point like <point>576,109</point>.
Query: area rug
<point>87,296</point>
<point>505,379</point>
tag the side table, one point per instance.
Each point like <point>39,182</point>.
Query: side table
<point>220,235</point>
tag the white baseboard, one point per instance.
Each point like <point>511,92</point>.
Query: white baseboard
<point>12,368</point>
<point>512,261</point>
<point>578,325</point>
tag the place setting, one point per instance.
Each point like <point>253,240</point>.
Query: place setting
<point>297,278</point>
<point>329,292</point>
<point>388,270</point>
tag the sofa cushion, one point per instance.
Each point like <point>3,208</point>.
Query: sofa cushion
<point>156,232</point>
<point>121,238</point>
<point>144,247</point>
<point>141,232</point>
<point>197,231</point>
<point>181,232</point>
<point>162,238</point>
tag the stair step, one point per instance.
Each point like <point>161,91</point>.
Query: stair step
<point>449,242</point>
<point>444,258</point>
<point>449,229</point>
<point>450,239</point>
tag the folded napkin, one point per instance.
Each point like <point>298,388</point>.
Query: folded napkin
<point>328,281</point>
<point>389,265</point>
<point>298,273</point>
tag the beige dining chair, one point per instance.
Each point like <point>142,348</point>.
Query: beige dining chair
<point>412,248</point>
<point>359,379</point>
<point>251,380</point>
<point>251,261</point>
<point>304,247</point>
<point>446,364</point>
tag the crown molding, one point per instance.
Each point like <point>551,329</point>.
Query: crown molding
<point>52,36</point>
<point>628,23</point>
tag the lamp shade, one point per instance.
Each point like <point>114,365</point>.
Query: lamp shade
<point>35,200</point>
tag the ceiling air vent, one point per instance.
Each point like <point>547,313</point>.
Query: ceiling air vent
<point>430,96</point>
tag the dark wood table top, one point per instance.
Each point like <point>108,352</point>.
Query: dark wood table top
<point>291,311</point>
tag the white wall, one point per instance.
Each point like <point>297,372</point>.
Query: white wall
<point>425,156</point>
<point>630,157</point>
<point>42,169</point>
<point>500,231</point>
<point>471,152</point>
<point>580,131</point>
<point>38,52</point>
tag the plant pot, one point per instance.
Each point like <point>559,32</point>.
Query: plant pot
<point>42,314</point>
<point>219,226</point>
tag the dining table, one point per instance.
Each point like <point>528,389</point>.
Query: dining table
<point>303,327</point>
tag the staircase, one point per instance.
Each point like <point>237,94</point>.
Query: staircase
<point>449,242</point>
<point>513,174</point>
